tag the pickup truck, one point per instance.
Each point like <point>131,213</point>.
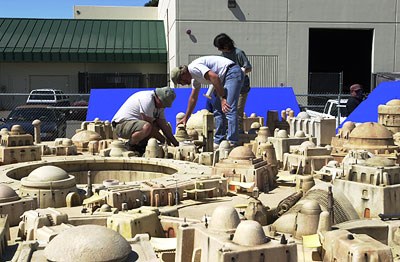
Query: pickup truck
<point>331,110</point>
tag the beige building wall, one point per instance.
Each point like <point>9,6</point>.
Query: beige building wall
<point>279,28</point>
<point>115,12</point>
<point>23,77</point>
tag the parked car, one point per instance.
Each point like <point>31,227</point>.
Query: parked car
<point>53,121</point>
<point>48,97</point>
<point>331,110</point>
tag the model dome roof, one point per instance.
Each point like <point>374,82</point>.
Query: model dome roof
<point>249,233</point>
<point>241,153</point>
<point>371,130</point>
<point>224,218</point>
<point>88,243</point>
<point>393,102</point>
<point>47,174</point>
<point>7,194</point>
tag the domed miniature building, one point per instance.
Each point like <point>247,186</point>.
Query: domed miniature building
<point>7,194</point>
<point>50,184</point>
<point>389,115</point>
<point>300,133</point>
<point>224,218</point>
<point>249,233</point>
<point>117,148</point>
<point>46,174</point>
<point>88,243</point>
<point>81,139</point>
<point>17,130</point>
<point>305,145</point>
<point>373,137</point>
<point>241,153</point>
<point>13,205</point>
<point>349,125</point>
<point>255,125</point>
<point>181,133</point>
<point>303,115</point>
<point>282,134</point>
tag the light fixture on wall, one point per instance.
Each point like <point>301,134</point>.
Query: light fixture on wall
<point>231,3</point>
<point>188,31</point>
<point>78,12</point>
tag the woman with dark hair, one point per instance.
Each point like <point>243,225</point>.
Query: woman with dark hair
<point>227,46</point>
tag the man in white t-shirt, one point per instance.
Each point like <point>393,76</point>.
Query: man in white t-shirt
<point>142,116</point>
<point>227,79</point>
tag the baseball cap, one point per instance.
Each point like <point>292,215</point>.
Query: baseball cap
<point>166,95</point>
<point>176,74</point>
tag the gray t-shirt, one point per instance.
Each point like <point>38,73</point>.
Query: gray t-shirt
<point>137,104</point>
<point>239,57</point>
<point>200,66</point>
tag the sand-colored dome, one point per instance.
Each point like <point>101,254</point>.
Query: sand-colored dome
<point>7,194</point>
<point>255,125</point>
<point>303,115</point>
<point>378,161</point>
<point>305,145</point>
<point>393,102</point>
<point>249,233</point>
<point>224,218</point>
<point>349,125</point>
<point>17,130</point>
<point>88,243</point>
<point>105,208</point>
<point>47,174</point>
<point>300,133</point>
<point>85,136</point>
<point>282,134</point>
<point>311,207</point>
<point>371,130</point>
<point>241,153</point>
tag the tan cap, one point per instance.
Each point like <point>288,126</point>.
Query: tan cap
<point>166,95</point>
<point>176,74</point>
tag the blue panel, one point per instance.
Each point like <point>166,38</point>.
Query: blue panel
<point>367,111</point>
<point>104,103</point>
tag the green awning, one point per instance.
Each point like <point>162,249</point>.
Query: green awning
<point>73,40</point>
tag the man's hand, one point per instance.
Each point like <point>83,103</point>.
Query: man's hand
<point>225,106</point>
<point>182,121</point>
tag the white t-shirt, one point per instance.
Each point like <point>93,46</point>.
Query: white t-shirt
<point>139,103</point>
<point>200,66</point>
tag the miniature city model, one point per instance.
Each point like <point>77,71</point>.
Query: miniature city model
<point>284,193</point>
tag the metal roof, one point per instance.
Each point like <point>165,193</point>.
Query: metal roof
<point>69,40</point>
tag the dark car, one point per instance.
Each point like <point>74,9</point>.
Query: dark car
<point>53,121</point>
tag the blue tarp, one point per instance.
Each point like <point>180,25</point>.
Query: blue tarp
<point>104,103</point>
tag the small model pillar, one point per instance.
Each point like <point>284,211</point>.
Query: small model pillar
<point>36,126</point>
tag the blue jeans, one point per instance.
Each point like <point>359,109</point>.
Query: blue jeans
<point>233,83</point>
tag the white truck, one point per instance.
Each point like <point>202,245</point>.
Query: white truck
<point>331,110</point>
